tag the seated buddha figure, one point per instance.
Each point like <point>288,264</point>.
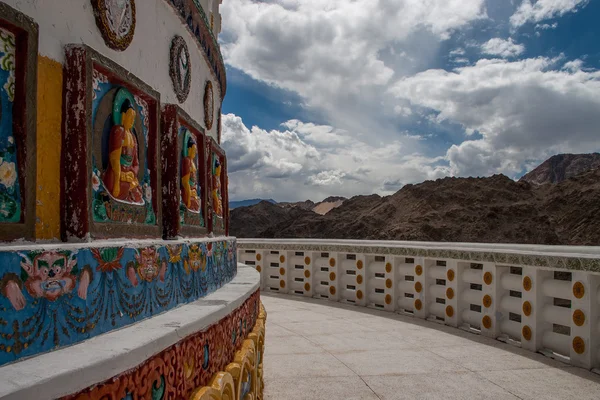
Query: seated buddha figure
<point>120,178</point>
<point>216,188</point>
<point>189,182</point>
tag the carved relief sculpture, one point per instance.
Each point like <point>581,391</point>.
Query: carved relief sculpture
<point>216,187</point>
<point>209,105</point>
<point>180,68</point>
<point>191,204</point>
<point>116,21</point>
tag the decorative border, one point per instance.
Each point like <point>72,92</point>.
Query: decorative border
<point>568,263</point>
<point>209,101</point>
<point>192,15</point>
<point>108,35</point>
<point>172,118</point>
<point>25,118</point>
<point>178,371</point>
<point>76,171</point>
<point>178,45</point>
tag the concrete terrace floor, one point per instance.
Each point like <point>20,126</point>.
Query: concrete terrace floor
<point>321,350</point>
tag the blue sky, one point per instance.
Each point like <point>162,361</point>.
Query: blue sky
<point>358,97</point>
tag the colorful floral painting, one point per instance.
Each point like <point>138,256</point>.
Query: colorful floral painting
<point>107,102</point>
<point>10,194</point>
<point>50,299</point>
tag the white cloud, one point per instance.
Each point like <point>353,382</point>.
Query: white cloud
<point>524,110</point>
<point>502,48</point>
<point>545,27</point>
<point>544,9</point>
<point>283,165</point>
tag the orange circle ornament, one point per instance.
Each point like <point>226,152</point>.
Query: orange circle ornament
<point>450,293</point>
<point>578,317</point>
<point>526,332</point>
<point>258,268</point>
<point>418,304</point>
<point>306,273</point>
<point>332,276</point>
<point>450,275</point>
<point>578,345</point>
<point>282,259</point>
<point>359,264</point>
<point>527,283</point>
<point>527,308</point>
<point>282,271</point>
<point>332,290</point>
<point>487,301</point>
<point>359,294</point>
<point>306,260</point>
<point>486,321</point>
<point>388,299</point>
<point>419,270</point>
<point>388,283</point>
<point>332,262</point>
<point>258,257</point>
<point>449,311</point>
<point>418,287</point>
<point>488,278</point>
<point>578,290</point>
<point>388,268</point>
<point>359,279</point>
<point>282,284</point>
<point>307,287</point>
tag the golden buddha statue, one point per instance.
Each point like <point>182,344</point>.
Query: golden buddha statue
<point>189,181</point>
<point>216,188</point>
<point>120,178</point>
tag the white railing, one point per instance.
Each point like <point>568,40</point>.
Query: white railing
<point>542,298</point>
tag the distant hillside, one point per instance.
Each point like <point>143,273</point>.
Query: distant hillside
<point>495,209</point>
<point>560,167</point>
<point>245,203</point>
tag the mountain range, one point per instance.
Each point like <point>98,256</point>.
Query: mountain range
<point>556,203</point>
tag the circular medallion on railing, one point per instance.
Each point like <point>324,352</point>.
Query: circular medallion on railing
<point>359,294</point>
<point>332,290</point>
<point>418,305</point>
<point>307,287</point>
<point>487,301</point>
<point>450,275</point>
<point>418,287</point>
<point>282,284</point>
<point>180,69</point>
<point>388,283</point>
<point>332,276</point>
<point>527,308</point>
<point>332,262</point>
<point>306,260</point>
<point>419,270</point>
<point>388,268</point>
<point>487,278</point>
<point>307,273</point>
<point>116,22</point>
<point>578,317</point>
<point>526,332</point>
<point>258,257</point>
<point>359,279</point>
<point>388,299</point>
<point>258,268</point>
<point>527,284</point>
<point>486,321</point>
<point>449,311</point>
<point>450,293</point>
<point>578,290</point>
<point>578,345</point>
<point>281,271</point>
<point>359,264</point>
<point>209,105</point>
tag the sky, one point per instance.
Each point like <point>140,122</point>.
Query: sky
<point>354,97</point>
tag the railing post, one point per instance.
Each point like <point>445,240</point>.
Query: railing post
<point>422,282</point>
<point>308,275</point>
<point>361,280</point>
<point>390,286</point>
<point>454,288</point>
<point>584,321</point>
<point>490,323</point>
<point>532,324</point>
<point>334,289</point>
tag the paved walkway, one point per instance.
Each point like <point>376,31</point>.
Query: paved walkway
<point>320,350</point>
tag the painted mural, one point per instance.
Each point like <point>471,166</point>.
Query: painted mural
<point>50,299</point>
<point>190,208</point>
<point>179,370</point>
<point>121,186</point>
<point>217,197</point>
<point>10,195</point>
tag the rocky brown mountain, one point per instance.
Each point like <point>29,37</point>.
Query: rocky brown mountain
<point>495,209</point>
<point>562,166</point>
